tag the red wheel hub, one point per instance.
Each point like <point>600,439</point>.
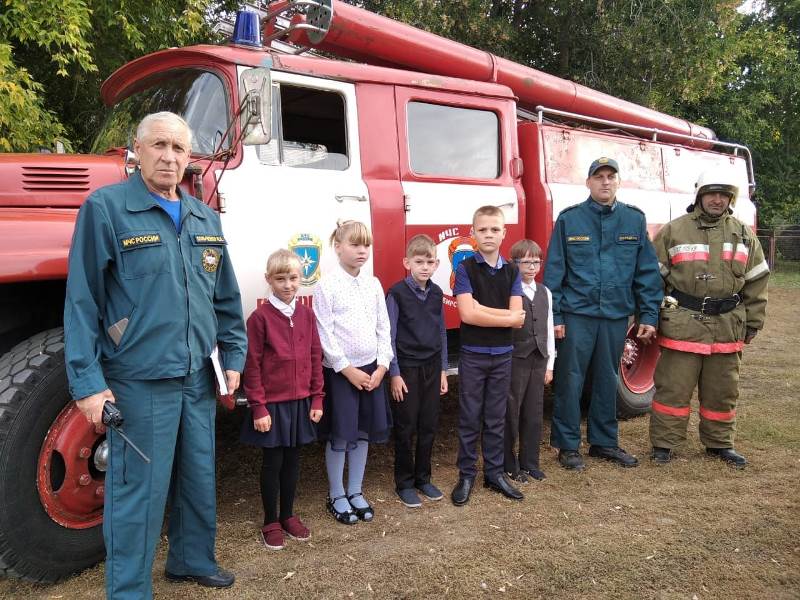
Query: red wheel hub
<point>70,488</point>
<point>638,363</point>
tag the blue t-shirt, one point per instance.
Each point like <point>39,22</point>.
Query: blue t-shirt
<point>173,208</point>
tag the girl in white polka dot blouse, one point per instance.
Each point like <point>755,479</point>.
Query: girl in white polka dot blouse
<point>355,333</point>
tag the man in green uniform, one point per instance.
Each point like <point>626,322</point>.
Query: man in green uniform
<point>601,269</point>
<point>716,278</point>
<point>151,291</point>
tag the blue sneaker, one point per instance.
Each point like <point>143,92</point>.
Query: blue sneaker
<point>409,498</point>
<point>430,491</point>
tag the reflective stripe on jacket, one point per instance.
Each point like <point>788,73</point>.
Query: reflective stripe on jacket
<point>714,258</point>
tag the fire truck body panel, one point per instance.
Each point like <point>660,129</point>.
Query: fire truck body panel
<point>35,243</point>
<point>54,180</point>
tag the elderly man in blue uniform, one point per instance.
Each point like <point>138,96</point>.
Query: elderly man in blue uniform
<point>151,291</point>
<point>601,269</point>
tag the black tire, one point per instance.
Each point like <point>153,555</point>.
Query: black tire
<point>631,404</point>
<point>33,391</point>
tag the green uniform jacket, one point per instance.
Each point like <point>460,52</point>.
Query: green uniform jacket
<point>178,292</point>
<point>601,263</point>
<point>714,258</point>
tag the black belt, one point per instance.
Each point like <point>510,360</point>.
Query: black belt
<point>707,305</point>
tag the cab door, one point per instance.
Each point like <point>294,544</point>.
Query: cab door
<point>456,153</point>
<point>289,193</point>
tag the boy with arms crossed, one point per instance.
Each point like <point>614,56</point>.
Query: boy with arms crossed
<point>489,294</point>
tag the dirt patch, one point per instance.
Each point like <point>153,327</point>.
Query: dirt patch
<point>693,529</point>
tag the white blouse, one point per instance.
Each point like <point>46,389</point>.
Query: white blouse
<point>352,320</point>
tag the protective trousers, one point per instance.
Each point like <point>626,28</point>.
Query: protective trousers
<point>592,347</point>
<point>172,421</point>
<point>717,378</point>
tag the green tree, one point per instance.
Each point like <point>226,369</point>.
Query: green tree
<point>55,54</point>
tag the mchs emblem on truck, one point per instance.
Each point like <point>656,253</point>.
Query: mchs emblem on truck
<point>309,248</point>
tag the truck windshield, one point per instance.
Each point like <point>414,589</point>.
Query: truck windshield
<point>198,96</point>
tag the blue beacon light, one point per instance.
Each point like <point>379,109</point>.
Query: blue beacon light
<point>246,31</point>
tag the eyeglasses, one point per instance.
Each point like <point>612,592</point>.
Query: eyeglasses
<point>528,263</point>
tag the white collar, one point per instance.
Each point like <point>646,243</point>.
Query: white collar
<point>347,277</point>
<point>531,285</point>
<point>286,309</point>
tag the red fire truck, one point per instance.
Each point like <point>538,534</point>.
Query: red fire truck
<point>410,134</point>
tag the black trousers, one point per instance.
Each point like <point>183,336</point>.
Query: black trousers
<point>483,384</point>
<point>418,414</point>
<point>524,412</point>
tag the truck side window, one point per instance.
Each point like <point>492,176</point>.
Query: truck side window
<point>309,130</point>
<point>198,96</point>
<point>453,142</point>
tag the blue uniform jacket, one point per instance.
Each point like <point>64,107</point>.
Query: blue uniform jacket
<point>178,292</point>
<point>601,263</point>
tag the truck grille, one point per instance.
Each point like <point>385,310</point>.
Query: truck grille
<point>55,179</point>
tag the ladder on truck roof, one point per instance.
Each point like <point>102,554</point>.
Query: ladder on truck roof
<point>562,117</point>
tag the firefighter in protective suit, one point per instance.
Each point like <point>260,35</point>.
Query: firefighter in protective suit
<point>715,280</point>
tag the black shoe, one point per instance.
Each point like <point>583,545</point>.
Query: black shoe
<point>519,477</point>
<point>534,474</point>
<point>221,579</point>
<point>460,493</point>
<point>661,456</point>
<point>501,485</point>
<point>347,517</point>
<point>615,455</point>
<point>729,455</point>
<point>365,513</point>
<point>571,459</point>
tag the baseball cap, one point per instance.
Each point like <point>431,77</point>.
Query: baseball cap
<point>603,161</point>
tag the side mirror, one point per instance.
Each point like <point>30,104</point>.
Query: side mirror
<point>255,92</point>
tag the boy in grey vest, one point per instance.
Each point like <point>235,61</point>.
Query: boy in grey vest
<point>531,367</point>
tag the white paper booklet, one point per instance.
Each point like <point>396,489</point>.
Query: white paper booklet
<point>221,381</point>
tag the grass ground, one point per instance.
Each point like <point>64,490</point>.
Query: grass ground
<point>695,529</point>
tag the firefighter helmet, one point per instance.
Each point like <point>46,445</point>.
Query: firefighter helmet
<point>717,180</point>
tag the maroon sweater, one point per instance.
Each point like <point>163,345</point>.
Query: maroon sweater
<point>284,362</point>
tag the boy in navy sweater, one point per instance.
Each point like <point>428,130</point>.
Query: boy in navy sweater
<point>488,290</point>
<point>419,341</point>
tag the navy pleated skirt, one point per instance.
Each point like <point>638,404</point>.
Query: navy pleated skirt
<point>291,426</point>
<point>351,415</point>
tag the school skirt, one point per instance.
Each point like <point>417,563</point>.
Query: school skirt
<point>291,426</point>
<point>351,415</point>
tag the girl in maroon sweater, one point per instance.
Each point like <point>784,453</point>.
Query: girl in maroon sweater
<point>283,382</point>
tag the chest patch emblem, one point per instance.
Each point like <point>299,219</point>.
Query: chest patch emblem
<point>209,239</point>
<point>210,259</point>
<point>578,238</point>
<point>147,239</point>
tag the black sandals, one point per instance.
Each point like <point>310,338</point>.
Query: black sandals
<point>347,517</point>
<point>366,513</point>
